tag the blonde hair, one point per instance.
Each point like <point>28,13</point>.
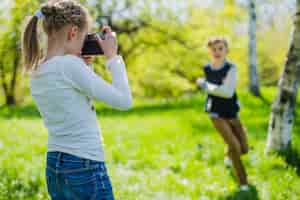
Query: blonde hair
<point>218,39</point>
<point>56,14</point>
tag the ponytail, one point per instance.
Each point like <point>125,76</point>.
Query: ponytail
<point>30,45</point>
<point>56,14</point>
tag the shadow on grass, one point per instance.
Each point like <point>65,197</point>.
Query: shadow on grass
<point>28,111</point>
<point>291,155</point>
<point>251,194</point>
<point>292,158</point>
<point>194,101</point>
<point>264,100</point>
<point>31,112</point>
<point>148,109</point>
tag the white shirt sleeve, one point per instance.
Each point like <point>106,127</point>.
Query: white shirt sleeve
<point>117,94</point>
<point>226,90</point>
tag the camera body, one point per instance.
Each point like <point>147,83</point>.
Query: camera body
<point>91,45</point>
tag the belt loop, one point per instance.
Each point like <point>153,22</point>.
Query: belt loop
<point>58,159</point>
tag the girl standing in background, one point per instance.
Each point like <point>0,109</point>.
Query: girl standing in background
<point>222,105</point>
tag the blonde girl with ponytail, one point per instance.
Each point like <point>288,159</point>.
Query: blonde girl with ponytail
<point>63,87</point>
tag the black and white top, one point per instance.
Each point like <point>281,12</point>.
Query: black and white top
<point>222,100</point>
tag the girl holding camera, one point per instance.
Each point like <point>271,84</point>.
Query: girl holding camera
<point>63,86</point>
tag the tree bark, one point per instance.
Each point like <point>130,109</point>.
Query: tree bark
<point>253,77</point>
<point>10,100</point>
<point>282,115</point>
<point>9,83</point>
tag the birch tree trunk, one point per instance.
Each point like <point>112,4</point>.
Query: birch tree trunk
<point>253,77</point>
<point>282,115</point>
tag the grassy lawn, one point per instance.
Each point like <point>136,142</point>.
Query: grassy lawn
<point>160,150</point>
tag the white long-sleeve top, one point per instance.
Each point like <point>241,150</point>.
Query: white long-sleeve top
<point>63,88</point>
<point>227,89</point>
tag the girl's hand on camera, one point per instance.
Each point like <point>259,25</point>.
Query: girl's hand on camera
<point>109,44</point>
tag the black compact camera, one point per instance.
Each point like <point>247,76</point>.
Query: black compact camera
<point>91,45</point>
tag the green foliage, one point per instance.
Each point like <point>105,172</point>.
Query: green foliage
<point>164,50</point>
<point>10,47</point>
<point>272,57</point>
<point>170,53</point>
<point>161,149</point>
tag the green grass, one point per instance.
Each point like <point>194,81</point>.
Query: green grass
<point>161,149</point>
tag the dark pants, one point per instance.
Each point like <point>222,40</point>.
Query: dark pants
<point>73,178</point>
<point>235,137</point>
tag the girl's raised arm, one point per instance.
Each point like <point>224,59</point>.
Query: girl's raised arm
<point>117,94</point>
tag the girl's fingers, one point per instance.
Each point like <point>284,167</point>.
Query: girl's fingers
<point>109,44</point>
<point>114,34</point>
<point>110,37</point>
<point>100,40</point>
<point>106,29</point>
<point>108,32</point>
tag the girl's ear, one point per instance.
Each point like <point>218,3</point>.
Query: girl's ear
<point>72,33</point>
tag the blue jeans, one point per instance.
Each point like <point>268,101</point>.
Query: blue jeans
<point>73,178</point>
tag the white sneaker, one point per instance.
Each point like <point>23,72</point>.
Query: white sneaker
<point>227,162</point>
<point>244,188</point>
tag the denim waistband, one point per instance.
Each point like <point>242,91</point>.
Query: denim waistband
<point>60,162</point>
<point>65,157</point>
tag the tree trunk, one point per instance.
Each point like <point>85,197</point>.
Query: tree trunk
<point>10,100</point>
<point>282,115</point>
<point>253,77</point>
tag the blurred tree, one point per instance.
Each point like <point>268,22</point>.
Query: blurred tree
<point>143,26</point>
<point>130,17</point>
<point>282,115</point>
<point>10,51</point>
<point>253,77</point>
<point>163,42</point>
